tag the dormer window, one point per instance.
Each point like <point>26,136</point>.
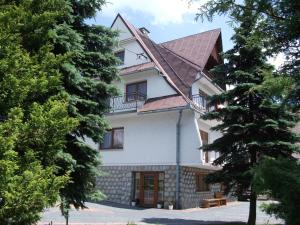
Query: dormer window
<point>121,56</point>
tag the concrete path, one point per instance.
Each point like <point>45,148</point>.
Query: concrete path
<point>113,214</point>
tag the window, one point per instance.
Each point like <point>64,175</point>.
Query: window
<point>136,91</point>
<point>203,99</point>
<point>113,139</point>
<point>204,138</point>
<point>121,56</point>
<point>201,185</point>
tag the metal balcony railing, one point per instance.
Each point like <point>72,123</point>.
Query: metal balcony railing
<point>202,103</point>
<point>126,102</point>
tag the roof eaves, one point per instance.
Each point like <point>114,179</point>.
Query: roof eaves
<point>142,70</point>
<point>164,110</point>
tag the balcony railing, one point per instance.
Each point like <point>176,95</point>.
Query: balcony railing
<point>202,103</point>
<point>126,102</point>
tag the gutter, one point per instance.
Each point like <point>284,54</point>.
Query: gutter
<point>165,110</point>
<point>178,126</point>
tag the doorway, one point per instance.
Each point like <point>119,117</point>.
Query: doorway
<point>148,188</point>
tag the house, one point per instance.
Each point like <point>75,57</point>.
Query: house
<point>152,152</point>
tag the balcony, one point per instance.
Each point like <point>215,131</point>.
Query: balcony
<point>202,103</point>
<point>126,102</point>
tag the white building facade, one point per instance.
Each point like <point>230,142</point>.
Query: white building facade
<point>152,154</point>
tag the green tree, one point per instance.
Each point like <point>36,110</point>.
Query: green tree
<point>279,22</point>
<point>87,78</point>
<point>88,67</point>
<point>281,179</point>
<point>279,25</point>
<point>253,123</point>
<point>34,117</point>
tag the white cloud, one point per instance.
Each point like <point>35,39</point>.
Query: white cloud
<point>162,12</point>
<point>277,60</point>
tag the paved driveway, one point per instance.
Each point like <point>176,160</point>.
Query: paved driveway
<point>102,214</point>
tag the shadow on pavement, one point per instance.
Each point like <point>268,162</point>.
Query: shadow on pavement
<point>166,221</point>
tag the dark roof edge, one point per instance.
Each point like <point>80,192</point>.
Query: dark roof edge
<point>190,36</point>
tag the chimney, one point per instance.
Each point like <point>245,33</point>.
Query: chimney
<point>145,31</point>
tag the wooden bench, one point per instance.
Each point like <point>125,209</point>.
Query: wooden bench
<point>217,201</point>
<point>213,202</point>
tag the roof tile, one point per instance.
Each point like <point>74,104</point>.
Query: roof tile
<point>137,68</point>
<point>195,48</point>
<point>165,102</point>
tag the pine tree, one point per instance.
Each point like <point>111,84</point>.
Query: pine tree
<point>87,79</point>
<point>279,22</point>
<point>253,123</point>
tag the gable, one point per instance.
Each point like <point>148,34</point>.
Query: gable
<point>120,26</point>
<point>196,48</point>
<point>134,54</point>
<point>137,35</point>
<point>180,60</point>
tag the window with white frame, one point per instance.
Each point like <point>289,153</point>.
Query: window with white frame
<point>113,139</point>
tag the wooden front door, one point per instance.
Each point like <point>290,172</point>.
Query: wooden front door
<point>149,189</point>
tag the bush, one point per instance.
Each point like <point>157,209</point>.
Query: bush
<point>281,178</point>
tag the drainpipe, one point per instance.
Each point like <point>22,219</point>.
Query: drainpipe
<point>178,159</point>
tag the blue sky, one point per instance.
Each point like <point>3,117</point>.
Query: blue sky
<point>165,19</point>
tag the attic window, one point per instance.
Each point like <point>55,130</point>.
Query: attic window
<point>120,55</point>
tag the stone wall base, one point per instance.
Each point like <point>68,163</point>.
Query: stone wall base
<point>117,184</point>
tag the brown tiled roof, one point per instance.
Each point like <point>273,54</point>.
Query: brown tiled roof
<point>137,68</point>
<point>182,73</point>
<point>195,48</point>
<point>165,102</point>
<point>179,60</point>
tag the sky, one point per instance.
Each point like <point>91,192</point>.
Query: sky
<point>165,19</point>
<point>168,19</point>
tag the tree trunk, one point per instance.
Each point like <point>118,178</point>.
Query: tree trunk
<point>252,208</point>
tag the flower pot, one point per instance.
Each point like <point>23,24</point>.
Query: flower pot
<point>159,206</point>
<point>133,204</point>
<point>170,207</point>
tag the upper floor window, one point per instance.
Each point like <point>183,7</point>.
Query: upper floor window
<point>121,56</point>
<point>201,185</point>
<point>204,138</point>
<point>113,139</point>
<point>136,91</point>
